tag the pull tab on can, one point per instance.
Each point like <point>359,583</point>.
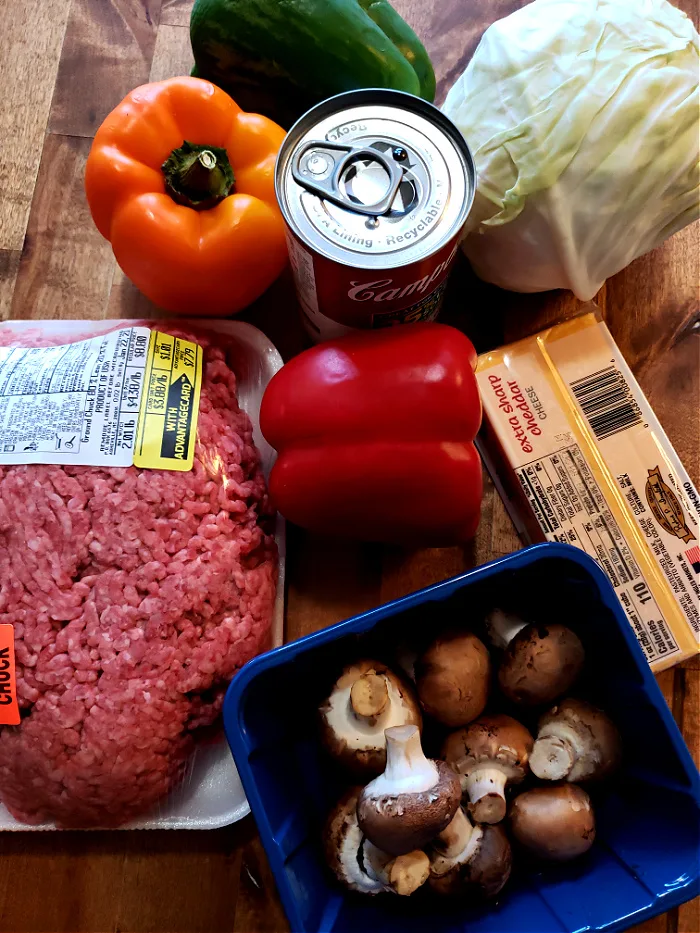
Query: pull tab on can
<point>375,186</point>
<point>362,179</point>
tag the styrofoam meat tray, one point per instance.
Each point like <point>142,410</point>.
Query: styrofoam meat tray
<point>211,795</point>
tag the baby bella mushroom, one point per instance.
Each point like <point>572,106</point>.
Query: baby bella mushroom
<point>452,678</point>
<point>412,801</point>
<point>555,822</point>
<point>575,742</point>
<point>361,866</point>
<point>366,699</point>
<point>489,754</point>
<point>468,861</point>
<point>539,663</point>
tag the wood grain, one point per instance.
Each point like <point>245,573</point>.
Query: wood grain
<point>66,267</point>
<point>172,54</point>
<point>451,32</point>
<point>9,266</point>
<point>176,12</point>
<point>30,46</point>
<point>107,51</point>
<point>180,882</point>
<point>328,581</point>
<point>126,301</point>
<point>258,907</point>
<point>139,882</point>
<point>653,310</point>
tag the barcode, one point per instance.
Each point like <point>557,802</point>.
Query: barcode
<point>607,402</point>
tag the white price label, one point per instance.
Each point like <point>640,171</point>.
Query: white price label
<point>73,404</point>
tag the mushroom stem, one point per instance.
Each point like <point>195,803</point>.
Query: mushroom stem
<point>408,872</point>
<point>441,863</point>
<point>455,838</point>
<point>503,627</point>
<point>369,695</point>
<point>407,770</point>
<point>402,874</point>
<point>575,742</point>
<point>552,757</point>
<point>485,787</point>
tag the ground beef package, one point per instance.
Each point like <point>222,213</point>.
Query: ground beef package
<point>134,593</point>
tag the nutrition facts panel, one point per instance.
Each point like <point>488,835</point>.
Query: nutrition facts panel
<point>571,508</point>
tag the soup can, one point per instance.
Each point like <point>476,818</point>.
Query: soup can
<point>375,187</point>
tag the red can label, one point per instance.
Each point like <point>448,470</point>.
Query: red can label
<point>336,298</point>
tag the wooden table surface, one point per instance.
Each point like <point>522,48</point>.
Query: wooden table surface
<point>67,63</point>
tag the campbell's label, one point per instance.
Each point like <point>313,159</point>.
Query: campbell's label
<point>336,299</point>
<point>375,188</point>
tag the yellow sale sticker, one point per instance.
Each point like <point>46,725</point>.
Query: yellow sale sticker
<point>169,409</point>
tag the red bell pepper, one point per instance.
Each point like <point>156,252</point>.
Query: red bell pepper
<point>374,434</point>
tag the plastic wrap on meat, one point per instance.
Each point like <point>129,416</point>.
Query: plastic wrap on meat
<point>135,596</point>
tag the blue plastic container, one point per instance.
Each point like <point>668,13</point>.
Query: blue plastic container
<point>645,859</point>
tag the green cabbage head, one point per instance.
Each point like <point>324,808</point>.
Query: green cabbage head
<point>583,118</point>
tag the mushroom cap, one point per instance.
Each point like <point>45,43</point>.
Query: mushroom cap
<point>496,738</point>
<point>359,744</point>
<point>485,872</point>
<point>555,822</point>
<point>602,740</point>
<point>540,664</point>
<point>399,823</point>
<point>452,678</point>
<point>342,842</point>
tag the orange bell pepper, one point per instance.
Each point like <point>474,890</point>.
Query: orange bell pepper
<point>181,182</point>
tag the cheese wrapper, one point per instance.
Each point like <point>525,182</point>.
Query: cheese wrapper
<point>579,457</point>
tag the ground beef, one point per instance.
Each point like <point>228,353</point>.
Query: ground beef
<point>135,596</point>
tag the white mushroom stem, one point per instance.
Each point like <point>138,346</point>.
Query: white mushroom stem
<point>556,751</point>
<point>454,839</point>
<point>503,627</point>
<point>486,789</point>
<point>407,770</point>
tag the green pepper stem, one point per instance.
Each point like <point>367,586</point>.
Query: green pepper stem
<point>198,176</point>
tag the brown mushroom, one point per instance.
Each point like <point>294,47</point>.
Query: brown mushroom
<point>489,754</point>
<point>361,866</point>
<point>555,822</point>
<point>342,841</point>
<point>471,862</point>
<point>412,801</point>
<point>452,678</point>
<point>366,699</point>
<point>575,742</point>
<point>540,663</point>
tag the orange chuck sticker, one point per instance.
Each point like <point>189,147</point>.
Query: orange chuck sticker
<point>9,708</point>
